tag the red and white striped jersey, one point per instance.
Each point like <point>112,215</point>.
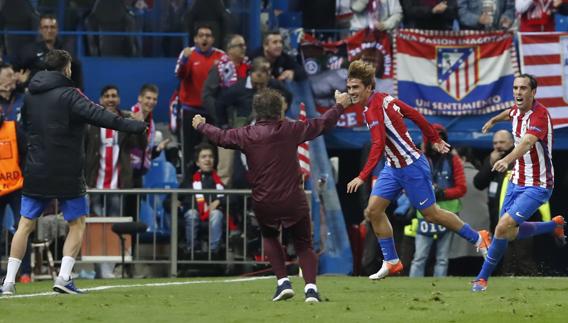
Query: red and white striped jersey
<point>535,167</point>
<point>384,116</point>
<point>107,177</point>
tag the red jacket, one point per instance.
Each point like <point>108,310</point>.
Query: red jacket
<point>192,72</point>
<point>459,189</point>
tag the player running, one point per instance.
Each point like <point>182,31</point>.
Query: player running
<point>532,179</point>
<point>406,168</point>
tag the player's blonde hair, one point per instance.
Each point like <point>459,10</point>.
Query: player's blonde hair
<point>363,71</point>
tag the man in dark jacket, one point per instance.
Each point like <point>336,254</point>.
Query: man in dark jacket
<point>32,56</point>
<point>234,109</point>
<point>493,181</point>
<point>239,97</point>
<point>55,116</point>
<point>284,67</point>
<point>271,147</point>
<point>427,14</point>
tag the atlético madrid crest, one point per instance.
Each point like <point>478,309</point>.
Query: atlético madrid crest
<point>458,69</point>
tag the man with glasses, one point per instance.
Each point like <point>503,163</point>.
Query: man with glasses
<point>230,69</point>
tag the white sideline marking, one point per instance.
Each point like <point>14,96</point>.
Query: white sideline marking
<point>235,280</point>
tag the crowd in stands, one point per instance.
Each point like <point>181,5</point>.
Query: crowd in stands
<point>220,83</point>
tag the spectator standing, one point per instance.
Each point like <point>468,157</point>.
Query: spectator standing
<point>238,99</point>
<point>537,15</point>
<point>230,69</point>
<point>33,56</point>
<point>107,165</point>
<point>107,160</point>
<point>192,68</point>
<point>284,67</point>
<point>449,183</point>
<point>212,13</point>
<point>486,14</point>
<point>54,117</point>
<point>240,96</point>
<point>429,14</point>
<point>142,154</point>
<point>384,15</point>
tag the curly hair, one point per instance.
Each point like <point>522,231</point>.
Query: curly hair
<point>267,104</point>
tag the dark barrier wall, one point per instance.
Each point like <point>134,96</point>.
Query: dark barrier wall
<point>129,74</point>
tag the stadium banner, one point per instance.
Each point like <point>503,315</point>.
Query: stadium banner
<point>545,55</point>
<point>326,64</point>
<point>455,73</point>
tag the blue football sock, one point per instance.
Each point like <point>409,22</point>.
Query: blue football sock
<point>388,249</point>
<point>529,229</point>
<point>468,234</point>
<point>495,253</point>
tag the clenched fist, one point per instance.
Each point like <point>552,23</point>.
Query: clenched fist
<point>197,120</point>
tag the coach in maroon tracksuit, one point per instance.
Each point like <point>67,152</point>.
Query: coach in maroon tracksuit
<point>271,146</point>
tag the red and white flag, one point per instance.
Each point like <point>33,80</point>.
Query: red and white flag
<point>304,148</point>
<point>545,55</point>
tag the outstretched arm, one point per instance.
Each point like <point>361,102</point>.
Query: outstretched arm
<point>225,138</point>
<point>504,115</point>
<point>527,142</point>
<point>316,126</point>
<point>95,114</point>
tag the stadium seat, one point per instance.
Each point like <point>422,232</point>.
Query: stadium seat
<point>108,16</point>
<point>162,174</point>
<point>17,15</point>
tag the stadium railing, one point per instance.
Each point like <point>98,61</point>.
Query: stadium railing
<point>159,245</point>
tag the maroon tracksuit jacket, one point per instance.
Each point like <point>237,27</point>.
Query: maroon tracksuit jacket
<point>271,150</point>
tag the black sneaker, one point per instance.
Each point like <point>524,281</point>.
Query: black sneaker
<point>283,292</point>
<point>312,296</point>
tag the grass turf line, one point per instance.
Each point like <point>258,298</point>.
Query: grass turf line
<point>346,299</point>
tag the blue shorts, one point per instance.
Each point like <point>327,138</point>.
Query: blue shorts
<point>415,179</point>
<point>521,202</point>
<point>72,209</point>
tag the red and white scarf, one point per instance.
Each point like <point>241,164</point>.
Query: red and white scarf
<point>229,73</point>
<point>539,10</point>
<point>202,207</point>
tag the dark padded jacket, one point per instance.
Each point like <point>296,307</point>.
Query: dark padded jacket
<point>55,116</point>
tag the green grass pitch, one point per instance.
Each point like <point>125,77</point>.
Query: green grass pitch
<point>345,299</point>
